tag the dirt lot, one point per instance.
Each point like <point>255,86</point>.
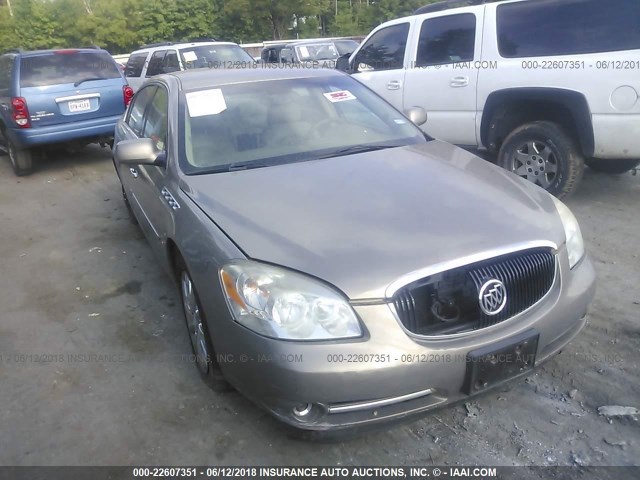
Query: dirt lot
<point>77,280</point>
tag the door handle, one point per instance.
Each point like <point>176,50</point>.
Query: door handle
<point>133,172</point>
<point>394,85</point>
<point>457,82</point>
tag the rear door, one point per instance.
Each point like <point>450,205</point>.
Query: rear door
<point>381,62</point>
<point>70,85</point>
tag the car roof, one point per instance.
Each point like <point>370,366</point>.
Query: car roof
<point>204,78</point>
<point>29,53</point>
<point>180,45</point>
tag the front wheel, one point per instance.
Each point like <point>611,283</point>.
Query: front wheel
<point>21,160</point>
<point>204,354</point>
<point>543,153</point>
<point>615,167</point>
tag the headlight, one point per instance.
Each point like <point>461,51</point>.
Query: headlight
<point>575,244</point>
<point>280,303</point>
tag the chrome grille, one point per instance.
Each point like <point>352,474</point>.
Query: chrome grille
<point>447,302</point>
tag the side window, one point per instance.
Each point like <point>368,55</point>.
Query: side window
<point>155,119</point>
<point>6,69</point>
<point>140,102</point>
<point>449,39</point>
<point>170,62</point>
<point>155,63</point>
<point>536,29</point>
<point>384,50</point>
<point>286,55</point>
<point>135,64</point>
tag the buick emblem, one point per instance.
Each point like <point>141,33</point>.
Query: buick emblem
<point>492,297</point>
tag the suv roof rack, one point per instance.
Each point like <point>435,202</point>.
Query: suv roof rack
<point>159,44</point>
<point>447,4</point>
<point>201,39</point>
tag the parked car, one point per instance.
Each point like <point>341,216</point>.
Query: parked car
<point>271,53</point>
<point>545,85</point>
<point>323,53</point>
<point>336,265</point>
<point>72,96</point>
<point>170,57</point>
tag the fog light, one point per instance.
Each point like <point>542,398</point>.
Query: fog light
<point>302,410</point>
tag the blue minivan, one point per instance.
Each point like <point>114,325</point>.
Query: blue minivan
<point>72,97</point>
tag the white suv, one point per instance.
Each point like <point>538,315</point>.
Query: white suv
<point>544,84</point>
<point>170,57</point>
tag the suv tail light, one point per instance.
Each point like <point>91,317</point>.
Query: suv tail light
<point>127,93</point>
<point>20,112</point>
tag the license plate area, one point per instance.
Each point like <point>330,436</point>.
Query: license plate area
<point>79,105</point>
<point>496,363</point>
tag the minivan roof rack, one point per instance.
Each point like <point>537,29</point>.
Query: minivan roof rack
<point>447,4</point>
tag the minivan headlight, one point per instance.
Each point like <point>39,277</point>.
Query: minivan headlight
<point>574,241</point>
<point>280,303</point>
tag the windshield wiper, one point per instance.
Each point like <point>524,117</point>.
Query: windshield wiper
<point>90,79</point>
<point>357,149</point>
<point>234,167</point>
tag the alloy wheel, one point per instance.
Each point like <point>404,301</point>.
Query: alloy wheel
<point>537,162</point>
<point>195,325</point>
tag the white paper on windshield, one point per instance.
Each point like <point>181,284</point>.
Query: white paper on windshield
<point>190,56</point>
<point>341,96</point>
<point>205,102</point>
<point>304,51</point>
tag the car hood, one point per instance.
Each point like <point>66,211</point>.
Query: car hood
<point>361,222</point>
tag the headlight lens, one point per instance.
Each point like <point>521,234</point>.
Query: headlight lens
<point>280,303</point>
<point>575,244</point>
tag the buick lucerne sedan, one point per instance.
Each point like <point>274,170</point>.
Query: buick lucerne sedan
<point>335,265</point>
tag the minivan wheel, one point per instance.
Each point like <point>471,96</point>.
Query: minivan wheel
<point>21,160</point>
<point>615,167</point>
<point>204,354</point>
<point>543,153</point>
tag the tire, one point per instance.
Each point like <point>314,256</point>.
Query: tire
<point>21,160</point>
<point>615,167</point>
<point>198,330</point>
<point>543,153</point>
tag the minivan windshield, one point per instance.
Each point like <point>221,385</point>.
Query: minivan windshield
<point>66,66</point>
<point>214,56</point>
<point>256,124</point>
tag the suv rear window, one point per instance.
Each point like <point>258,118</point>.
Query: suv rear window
<point>66,67</point>
<point>567,27</point>
<point>135,64</point>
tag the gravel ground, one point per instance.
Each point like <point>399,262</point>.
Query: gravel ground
<point>78,280</point>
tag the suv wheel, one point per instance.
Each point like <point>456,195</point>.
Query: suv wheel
<point>21,160</point>
<point>204,354</point>
<point>612,166</point>
<point>543,153</point>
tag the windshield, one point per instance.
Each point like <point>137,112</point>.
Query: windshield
<point>66,66</point>
<point>317,51</point>
<point>214,56</point>
<point>282,121</point>
<point>346,47</point>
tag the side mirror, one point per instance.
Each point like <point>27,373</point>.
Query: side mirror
<point>140,151</point>
<point>417,115</point>
<point>343,64</point>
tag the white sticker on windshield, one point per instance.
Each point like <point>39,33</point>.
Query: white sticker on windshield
<point>190,56</point>
<point>205,102</point>
<point>400,121</point>
<point>341,96</point>
<point>304,52</point>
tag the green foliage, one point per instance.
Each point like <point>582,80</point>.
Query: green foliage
<point>123,25</point>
